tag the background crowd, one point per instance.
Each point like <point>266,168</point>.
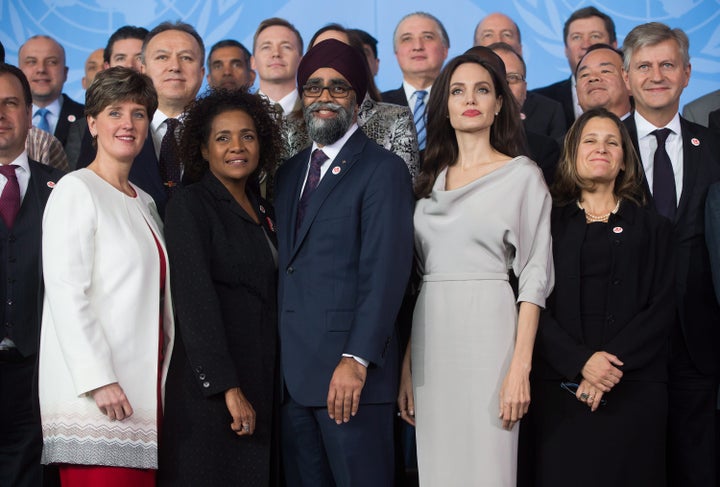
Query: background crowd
<point>222,288</point>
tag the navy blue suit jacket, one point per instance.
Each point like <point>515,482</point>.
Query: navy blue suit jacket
<point>698,309</point>
<point>343,278</point>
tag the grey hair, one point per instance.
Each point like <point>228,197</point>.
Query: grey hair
<point>440,27</point>
<point>652,34</point>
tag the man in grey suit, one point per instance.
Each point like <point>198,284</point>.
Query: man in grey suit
<point>698,110</point>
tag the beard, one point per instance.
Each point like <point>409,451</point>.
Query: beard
<point>326,131</point>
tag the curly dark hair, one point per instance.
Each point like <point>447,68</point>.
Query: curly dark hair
<point>568,185</point>
<point>506,133</point>
<point>198,121</point>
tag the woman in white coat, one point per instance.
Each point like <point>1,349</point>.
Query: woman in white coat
<point>107,320</point>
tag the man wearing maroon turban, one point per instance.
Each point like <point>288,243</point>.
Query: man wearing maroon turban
<point>344,211</point>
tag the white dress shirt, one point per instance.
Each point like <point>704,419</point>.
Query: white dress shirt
<point>412,97</point>
<point>647,143</point>
<point>22,173</point>
<point>287,102</point>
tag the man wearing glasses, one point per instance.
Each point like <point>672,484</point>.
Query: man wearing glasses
<point>345,241</point>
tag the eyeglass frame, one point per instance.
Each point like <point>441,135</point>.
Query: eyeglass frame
<point>518,78</point>
<point>333,84</point>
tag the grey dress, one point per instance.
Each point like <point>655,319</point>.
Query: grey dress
<point>465,319</point>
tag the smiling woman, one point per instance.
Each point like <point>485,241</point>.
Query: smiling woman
<point>221,385</point>
<point>101,370</point>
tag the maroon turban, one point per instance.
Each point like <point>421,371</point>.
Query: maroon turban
<point>341,57</point>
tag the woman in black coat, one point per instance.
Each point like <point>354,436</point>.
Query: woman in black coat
<point>599,371</point>
<point>220,405</point>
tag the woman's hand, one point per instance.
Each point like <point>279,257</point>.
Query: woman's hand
<point>406,400</point>
<point>242,412</point>
<point>601,371</point>
<point>112,401</point>
<point>589,394</point>
<point>514,396</point>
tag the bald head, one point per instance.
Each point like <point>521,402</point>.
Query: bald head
<point>498,27</point>
<point>93,65</point>
<point>42,60</point>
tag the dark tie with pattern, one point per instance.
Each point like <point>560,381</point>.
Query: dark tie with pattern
<point>419,117</point>
<point>43,123</point>
<point>313,179</point>
<point>664,192</point>
<point>169,162</point>
<point>10,198</point>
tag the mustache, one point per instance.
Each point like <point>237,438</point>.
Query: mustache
<point>324,105</point>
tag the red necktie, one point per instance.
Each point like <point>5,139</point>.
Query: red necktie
<point>10,198</point>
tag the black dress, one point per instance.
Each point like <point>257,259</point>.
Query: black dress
<point>223,278</point>
<point>563,443</point>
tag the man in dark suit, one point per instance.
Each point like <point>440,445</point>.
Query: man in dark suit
<point>600,82</point>
<point>344,208</point>
<point>421,46</point>
<point>585,27</point>
<point>42,60</point>
<point>541,115</point>
<point>714,120</point>
<point>680,160</point>
<point>25,186</point>
<point>544,150</point>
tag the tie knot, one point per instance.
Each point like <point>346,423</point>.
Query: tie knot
<point>171,123</point>
<point>661,135</point>
<point>318,157</point>
<point>42,112</point>
<point>8,170</point>
<point>420,95</point>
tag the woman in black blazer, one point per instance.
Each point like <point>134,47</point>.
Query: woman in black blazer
<point>599,371</point>
<point>221,387</point>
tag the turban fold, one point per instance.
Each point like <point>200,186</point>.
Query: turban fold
<point>341,57</point>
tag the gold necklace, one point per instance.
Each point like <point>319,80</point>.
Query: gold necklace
<point>591,218</point>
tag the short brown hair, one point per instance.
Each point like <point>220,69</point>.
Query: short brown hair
<point>277,21</point>
<point>120,84</point>
<point>569,186</point>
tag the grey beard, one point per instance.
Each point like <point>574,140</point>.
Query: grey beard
<point>327,131</point>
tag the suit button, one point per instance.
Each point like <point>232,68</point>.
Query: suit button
<point>610,319</point>
<point>206,384</point>
<point>12,260</point>
<point>290,270</point>
<point>12,239</point>
<point>9,302</point>
<point>201,376</point>
<point>198,369</point>
<point>616,282</point>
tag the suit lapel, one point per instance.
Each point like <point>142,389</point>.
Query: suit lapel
<point>691,163</point>
<point>632,130</point>
<point>346,158</point>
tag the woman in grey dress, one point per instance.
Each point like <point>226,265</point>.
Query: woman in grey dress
<point>482,211</point>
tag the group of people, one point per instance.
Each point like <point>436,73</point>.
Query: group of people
<point>249,288</point>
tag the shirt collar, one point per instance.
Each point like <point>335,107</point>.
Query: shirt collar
<point>410,91</point>
<point>54,107</point>
<point>332,150</point>
<point>22,162</point>
<point>644,127</point>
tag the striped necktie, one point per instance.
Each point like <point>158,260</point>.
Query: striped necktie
<point>419,117</point>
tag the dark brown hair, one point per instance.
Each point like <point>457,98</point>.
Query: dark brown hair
<point>568,185</point>
<point>117,84</point>
<point>506,133</point>
<point>198,122</point>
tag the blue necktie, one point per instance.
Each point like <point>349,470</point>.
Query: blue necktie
<point>419,117</point>
<point>313,179</point>
<point>664,192</point>
<point>43,123</point>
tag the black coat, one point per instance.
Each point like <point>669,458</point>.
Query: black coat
<point>70,113</point>
<point>224,279</point>
<point>562,93</point>
<point>698,311</point>
<point>640,302</point>
<point>544,116</point>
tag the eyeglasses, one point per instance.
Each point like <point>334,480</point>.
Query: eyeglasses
<point>514,78</point>
<point>572,388</point>
<point>337,90</point>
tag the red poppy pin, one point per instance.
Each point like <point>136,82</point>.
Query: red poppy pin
<point>270,224</point>
<point>336,170</point>
<point>262,209</point>
<point>51,184</point>
<point>695,142</point>
<point>71,118</point>
<point>618,229</point>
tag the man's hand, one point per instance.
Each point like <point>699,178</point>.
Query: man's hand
<point>345,387</point>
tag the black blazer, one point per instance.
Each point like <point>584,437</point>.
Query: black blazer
<point>561,92</point>
<point>544,116</point>
<point>224,291</point>
<point>545,151</point>
<point>640,304</point>
<point>712,233</point>
<point>26,266</point>
<point>395,96</point>
<point>70,113</point>
<point>714,120</point>
<point>698,310</point>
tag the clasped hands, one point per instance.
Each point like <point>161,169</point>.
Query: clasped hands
<point>600,374</point>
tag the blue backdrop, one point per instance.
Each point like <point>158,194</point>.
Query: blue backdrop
<point>84,25</point>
